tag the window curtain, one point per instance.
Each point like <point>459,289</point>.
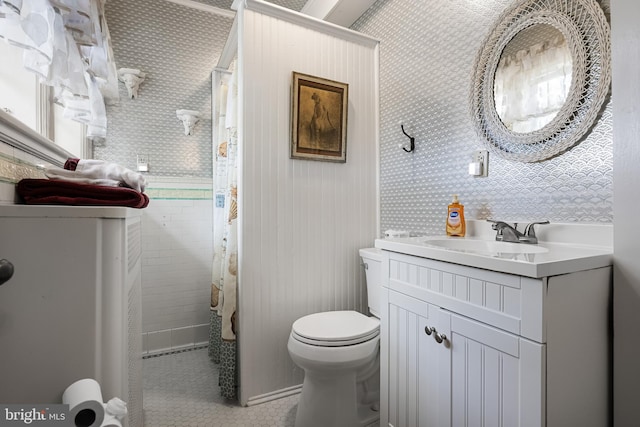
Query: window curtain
<point>532,85</point>
<point>222,337</point>
<point>66,44</point>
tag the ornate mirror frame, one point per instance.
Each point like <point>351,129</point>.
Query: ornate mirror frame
<point>586,30</point>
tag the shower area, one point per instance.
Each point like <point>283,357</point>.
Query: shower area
<point>299,223</point>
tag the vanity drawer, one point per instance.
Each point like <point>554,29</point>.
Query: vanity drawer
<point>509,302</point>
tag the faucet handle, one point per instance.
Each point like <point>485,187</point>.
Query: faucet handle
<point>499,225</point>
<point>506,232</point>
<point>529,229</point>
<point>495,225</point>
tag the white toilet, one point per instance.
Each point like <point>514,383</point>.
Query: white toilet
<point>339,352</point>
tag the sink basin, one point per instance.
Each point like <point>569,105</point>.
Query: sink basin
<point>486,246</point>
<point>567,248</point>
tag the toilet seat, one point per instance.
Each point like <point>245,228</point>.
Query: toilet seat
<point>335,328</point>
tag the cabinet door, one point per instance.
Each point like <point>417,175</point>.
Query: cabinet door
<point>497,378</point>
<point>415,396</point>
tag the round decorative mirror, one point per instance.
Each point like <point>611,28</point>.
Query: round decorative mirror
<point>541,78</point>
<point>533,78</point>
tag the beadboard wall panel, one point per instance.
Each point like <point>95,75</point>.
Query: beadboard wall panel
<point>301,222</point>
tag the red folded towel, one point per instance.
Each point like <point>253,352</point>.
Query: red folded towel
<point>57,192</point>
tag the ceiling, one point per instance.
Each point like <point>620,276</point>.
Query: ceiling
<point>340,12</point>
<point>226,4</point>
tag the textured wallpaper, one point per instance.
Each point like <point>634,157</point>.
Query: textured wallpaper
<point>427,53</point>
<point>177,47</point>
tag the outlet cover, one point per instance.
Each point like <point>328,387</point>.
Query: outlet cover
<point>219,200</point>
<point>142,163</point>
<point>482,157</point>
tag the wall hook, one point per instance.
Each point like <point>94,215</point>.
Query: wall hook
<point>412,141</point>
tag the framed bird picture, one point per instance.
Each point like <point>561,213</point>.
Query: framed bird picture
<point>319,119</point>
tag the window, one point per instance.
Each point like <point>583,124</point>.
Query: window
<point>24,98</point>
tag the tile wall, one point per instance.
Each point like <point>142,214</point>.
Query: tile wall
<point>176,264</point>
<point>14,166</point>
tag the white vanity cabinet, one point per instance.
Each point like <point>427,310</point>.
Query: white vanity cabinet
<point>72,309</point>
<point>515,351</point>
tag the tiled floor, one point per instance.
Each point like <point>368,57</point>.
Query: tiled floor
<point>180,390</point>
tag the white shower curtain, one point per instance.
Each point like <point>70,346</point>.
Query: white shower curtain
<point>222,340</point>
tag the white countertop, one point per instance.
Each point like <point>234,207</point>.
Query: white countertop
<point>560,258</point>
<point>63,211</point>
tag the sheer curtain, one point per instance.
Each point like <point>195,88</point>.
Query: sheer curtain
<point>66,44</point>
<point>532,85</point>
<point>222,342</point>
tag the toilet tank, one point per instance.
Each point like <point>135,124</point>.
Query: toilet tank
<point>372,261</point>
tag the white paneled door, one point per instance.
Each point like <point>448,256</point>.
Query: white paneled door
<point>448,370</point>
<point>492,372</point>
<point>415,361</point>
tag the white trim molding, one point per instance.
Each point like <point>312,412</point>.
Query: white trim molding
<point>19,136</point>
<point>341,12</point>
<point>230,50</point>
<point>306,21</point>
<point>205,8</point>
<point>278,394</point>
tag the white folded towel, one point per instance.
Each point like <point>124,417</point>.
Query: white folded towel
<point>71,176</point>
<point>99,172</point>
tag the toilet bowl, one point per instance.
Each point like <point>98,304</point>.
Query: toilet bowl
<point>339,353</point>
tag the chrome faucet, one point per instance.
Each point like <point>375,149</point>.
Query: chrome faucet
<point>507,233</point>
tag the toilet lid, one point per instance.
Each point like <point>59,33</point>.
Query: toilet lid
<point>336,328</point>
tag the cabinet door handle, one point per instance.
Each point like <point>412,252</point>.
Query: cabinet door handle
<point>6,270</point>
<point>429,329</point>
<point>440,337</point>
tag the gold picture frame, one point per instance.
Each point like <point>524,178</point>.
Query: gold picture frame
<point>319,119</point>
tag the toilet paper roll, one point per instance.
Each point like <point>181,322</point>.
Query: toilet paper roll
<point>84,398</point>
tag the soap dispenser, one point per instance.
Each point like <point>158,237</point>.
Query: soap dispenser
<point>455,218</point>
